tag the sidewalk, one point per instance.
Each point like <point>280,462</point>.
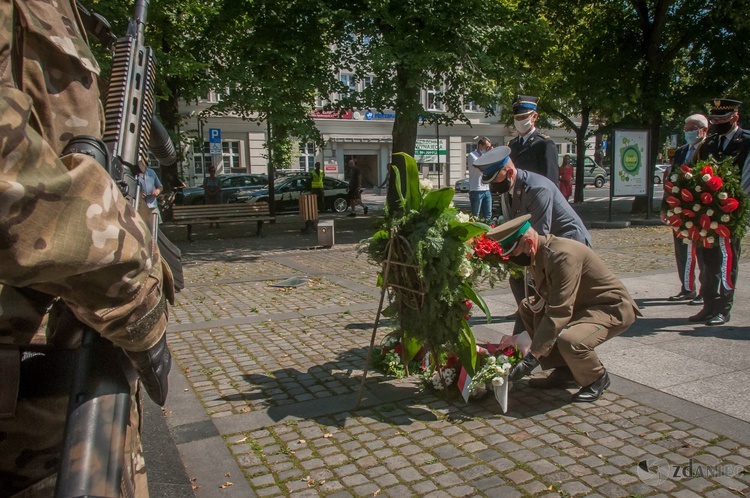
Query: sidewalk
<point>265,378</point>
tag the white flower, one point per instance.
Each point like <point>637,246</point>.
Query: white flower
<point>710,240</point>
<point>498,381</point>
<point>696,207</point>
<point>688,176</point>
<point>725,218</point>
<point>723,196</point>
<point>491,360</point>
<point>710,212</point>
<point>425,184</point>
<point>698,188</point>
<point>684,233</point>
<point>675,190</point>
<point>465,269</point>
<point>462,217</point>
<point>507,367</point>
<point>703,233</point>
<point>499,370</point>
<point>670,213</point>
<point>713,224</point>
<point>677,210</point>
<point>689,224</point>
<point>706,177</point>
<point>673,178</point>
<point>685,241</point>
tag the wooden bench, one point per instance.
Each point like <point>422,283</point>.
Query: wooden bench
<point>221,213</point>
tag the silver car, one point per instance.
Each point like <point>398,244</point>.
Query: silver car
<point>462,185</point>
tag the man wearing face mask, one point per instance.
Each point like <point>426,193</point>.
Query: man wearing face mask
<point>532,150</point>
<point>529,193</point>
<point>580,305</point>
<point>732,141</point>
<point>696,128</point>
<point>480,198</point>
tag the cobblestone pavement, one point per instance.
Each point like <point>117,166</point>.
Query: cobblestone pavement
<point>274,372</point>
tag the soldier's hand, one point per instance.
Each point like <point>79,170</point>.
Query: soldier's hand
<point>153,366</point>
<point>523,367</point>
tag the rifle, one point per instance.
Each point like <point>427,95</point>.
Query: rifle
<point>93,461</point>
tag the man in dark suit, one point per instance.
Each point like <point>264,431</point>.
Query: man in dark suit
<point>532,150</point>
<point>695,129</point>
<point>729,140</point>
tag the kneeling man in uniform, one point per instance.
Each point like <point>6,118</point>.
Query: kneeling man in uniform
<point>580,304</point>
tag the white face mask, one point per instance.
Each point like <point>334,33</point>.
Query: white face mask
<point>691,136</point>
<point>523,126</point>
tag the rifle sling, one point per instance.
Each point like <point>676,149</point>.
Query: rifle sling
<point>96,25</point>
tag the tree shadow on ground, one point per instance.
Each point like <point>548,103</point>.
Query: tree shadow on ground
<point>646,327</point>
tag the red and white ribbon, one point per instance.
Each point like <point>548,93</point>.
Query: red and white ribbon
<point>726,263</point>
<point>688,276</point>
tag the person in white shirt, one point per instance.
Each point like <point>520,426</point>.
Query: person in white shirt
<point>480,198</point>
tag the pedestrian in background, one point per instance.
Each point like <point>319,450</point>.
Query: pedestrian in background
<point>316,186</point>
<point>212,190</point>
<point>151,187</point>
<point>532,150</point>
<point>695,130</point>
<point>566,177</point>
<point>480,198</point>
<point>355,188</point>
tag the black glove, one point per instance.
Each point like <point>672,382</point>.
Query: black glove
<point>523,367</point>
<point>153,367</point>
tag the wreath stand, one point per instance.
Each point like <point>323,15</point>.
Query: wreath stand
<point>396,275</point>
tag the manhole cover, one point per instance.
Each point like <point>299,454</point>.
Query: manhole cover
<point>291,282</point>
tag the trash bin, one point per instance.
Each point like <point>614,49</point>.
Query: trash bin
<point>325,233</point>
<point>308,210</point>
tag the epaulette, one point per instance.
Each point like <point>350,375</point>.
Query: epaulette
<point>546,137</point>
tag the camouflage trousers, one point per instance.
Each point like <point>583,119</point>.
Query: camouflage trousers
<point>30,449</point>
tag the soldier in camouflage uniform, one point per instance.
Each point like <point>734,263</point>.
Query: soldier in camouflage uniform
<point>65,231</point>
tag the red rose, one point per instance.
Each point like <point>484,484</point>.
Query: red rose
<point>707,170</point>
<point>706,198</point>
<point>668,186</point>
<point>675,221</point>
<point>398,349</point>
<point>686,195</point>
<point>714,183</point>
<point>673,201</point>
<point>509,351</point>
<point>694,232</point>
<point>706,243</point>
<point>685,168</point>
<point>688,213</point>
<point>722,231</point>
<point>704,221</point>
<point>729,205</point>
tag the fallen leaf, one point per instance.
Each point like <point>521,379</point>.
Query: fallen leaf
<point>187,370</point>
<point>245,410</point>
<point>193,479</point>
<point>186,389</point>
<point>301,441</point>
<point>227,475</point>
<point>327,434</point>
<point>226,485</point>
<point>242,440</point>
<point>376,493</point>
<point>643,434</point>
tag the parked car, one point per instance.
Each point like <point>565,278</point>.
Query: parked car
<point>593,174</point>
<point>659,172</point>
<point>230,183</point>
<point>462,185</point>
<point>287,191</point>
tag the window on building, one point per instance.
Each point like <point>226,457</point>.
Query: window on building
<point>201,159</point>
<point>306,157</point>
<point>230,151</point>
<point>348,80</point>
<point>570,149</point>
<point>433,97</point>
<point>471,106</point>
<point>366,82</point>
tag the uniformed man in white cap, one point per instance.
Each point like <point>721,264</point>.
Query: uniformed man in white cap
<point>729,140</point>
<point>533,194</point>
<point>580,305</point>
<point>531,150</point>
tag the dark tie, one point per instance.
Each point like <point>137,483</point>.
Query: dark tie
<point>722,142</point>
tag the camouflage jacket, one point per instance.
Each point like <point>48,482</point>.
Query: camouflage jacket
<point>65,228</point>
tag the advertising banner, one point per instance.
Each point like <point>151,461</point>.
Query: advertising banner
<point>425,150</point>
<point>630,162</point>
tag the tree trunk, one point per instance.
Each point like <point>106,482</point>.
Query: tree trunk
<point>581,154</point>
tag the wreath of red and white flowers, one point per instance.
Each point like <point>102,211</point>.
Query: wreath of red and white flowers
<point>707,206</point>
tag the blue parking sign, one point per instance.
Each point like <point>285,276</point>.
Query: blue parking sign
<point>214,140</point>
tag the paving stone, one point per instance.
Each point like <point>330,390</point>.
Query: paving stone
<point>503,492</point>
<point>575,488</point>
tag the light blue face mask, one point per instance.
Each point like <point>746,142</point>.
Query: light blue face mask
<point>691,136</point>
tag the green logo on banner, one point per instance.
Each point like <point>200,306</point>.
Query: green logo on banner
<point>631,159</point>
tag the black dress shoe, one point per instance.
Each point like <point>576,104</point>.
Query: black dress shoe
<point>560,378</point>
<point>701,316</point>
<point>696,301</point>
<point>718,319</point>
<point>682,296</point>
<point>593,391</point>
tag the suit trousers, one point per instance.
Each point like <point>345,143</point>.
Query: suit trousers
<point>575,344</point>
<point>681,257</point>
<point>716,298</point>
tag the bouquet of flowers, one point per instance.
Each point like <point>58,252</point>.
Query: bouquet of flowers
<point>707,206</point>
<point>706,202</point>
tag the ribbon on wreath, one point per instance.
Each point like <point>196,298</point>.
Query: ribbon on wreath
<point>688,276</point>
<point>726,263</point>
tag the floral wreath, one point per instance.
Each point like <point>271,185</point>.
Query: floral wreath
<point>707,207</point>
